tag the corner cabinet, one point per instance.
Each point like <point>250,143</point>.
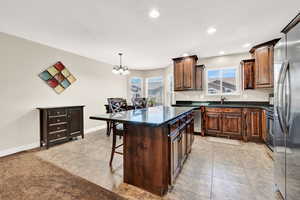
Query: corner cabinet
<point>186,74</point>
<point>60,124</point>
<point>263,68</point>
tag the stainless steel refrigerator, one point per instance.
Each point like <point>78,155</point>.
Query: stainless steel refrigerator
<point>286,125</point>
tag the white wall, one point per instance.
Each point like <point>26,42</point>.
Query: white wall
<point>22,90</point>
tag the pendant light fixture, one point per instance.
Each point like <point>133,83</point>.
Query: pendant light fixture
<point>121,70</point>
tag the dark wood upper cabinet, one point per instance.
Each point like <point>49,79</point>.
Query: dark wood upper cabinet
<point>248,73</point>
<point>189,73</point>
<point>178,75</point>
<point>185,73</point>
<point>263,68</point>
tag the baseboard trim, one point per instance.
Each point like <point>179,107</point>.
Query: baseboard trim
<point>10,151</point>
<point>97,128</point>
<point>18,149</point>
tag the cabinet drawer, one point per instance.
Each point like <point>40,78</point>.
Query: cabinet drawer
<point>57,135</point>
<point>232,110</point>
<point>174,125</point>
<point>55,120</point>
<point>214,109</point>
<point>182,119</point>
<point>59,127</point>
<point>190,116</point>
<point>56,112</point>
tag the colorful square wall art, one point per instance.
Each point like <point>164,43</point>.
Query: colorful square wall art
<point>57,77</point>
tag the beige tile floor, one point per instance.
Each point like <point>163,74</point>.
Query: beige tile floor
<point>213,171</point>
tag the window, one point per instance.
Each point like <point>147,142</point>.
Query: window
<point>222,81</point>
<point>155,89</point>
<point>136,85</point>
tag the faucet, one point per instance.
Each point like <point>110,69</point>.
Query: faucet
<point>223,99</point>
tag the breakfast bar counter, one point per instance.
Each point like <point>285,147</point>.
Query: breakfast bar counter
<point>157,140</point>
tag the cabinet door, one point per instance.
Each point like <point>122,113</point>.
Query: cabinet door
<point>184,144</point>
<point>264,128</point>
<point>189,73</point>
<point>176,156</point>
<point>232,124</point>
<point>212,123</point>
<point>189,138</point>
<point>178,75</point>
<point>248,75</point>
<point>264,67</point>
<point>253,125</point>
<point>75,118</point>
<point>192,133</point>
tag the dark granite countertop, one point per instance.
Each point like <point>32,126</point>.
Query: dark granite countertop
<point>231,104</point>
<point>152,116</point>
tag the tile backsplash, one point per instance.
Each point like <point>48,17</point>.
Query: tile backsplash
<point>246,95</point>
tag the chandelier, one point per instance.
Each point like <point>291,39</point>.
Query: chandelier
<point>121,70</point>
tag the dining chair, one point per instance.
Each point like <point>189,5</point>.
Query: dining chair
<point>139,103</point>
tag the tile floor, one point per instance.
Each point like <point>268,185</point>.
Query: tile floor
<point>213,171</point>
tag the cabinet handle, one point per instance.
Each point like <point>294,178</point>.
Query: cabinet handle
<point>58,120</point>
<point>58,128</point>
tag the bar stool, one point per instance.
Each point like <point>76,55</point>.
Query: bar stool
<point>116,105</point>
<point>139,103</point>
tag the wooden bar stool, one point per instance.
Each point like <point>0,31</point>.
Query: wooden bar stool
<point>139,102</point>
<point>116,105</point>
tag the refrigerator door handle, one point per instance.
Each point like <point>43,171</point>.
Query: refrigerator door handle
<point>287,95</point>
<point>280,89</point>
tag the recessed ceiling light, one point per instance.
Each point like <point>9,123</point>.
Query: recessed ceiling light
<point>211,30</point>
<point>154,13</point>
<point>246,45</point>
<point>185,54</point>
<point>221,52</point>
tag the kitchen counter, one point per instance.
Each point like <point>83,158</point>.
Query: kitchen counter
<point>152,116</point>
<point>230,104</point>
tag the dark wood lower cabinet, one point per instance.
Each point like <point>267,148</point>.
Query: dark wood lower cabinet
<point>213,123</point>
<point>176,152</point>
<point>237,123</point>
<point>232,125</point>
<point>60,124</point>
<point>252,124</point>
<point>181,141</point>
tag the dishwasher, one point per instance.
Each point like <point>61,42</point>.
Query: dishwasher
<point>197,121</point>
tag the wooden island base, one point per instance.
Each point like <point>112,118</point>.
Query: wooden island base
<point>157,141</point>
<point>153,156</point>
<point>146,158</point>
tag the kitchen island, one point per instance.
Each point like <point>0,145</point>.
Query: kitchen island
<point>157,140</point>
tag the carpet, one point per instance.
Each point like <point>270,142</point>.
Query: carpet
<point>27,177</point>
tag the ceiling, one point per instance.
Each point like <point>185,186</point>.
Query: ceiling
<point>100,29</point>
